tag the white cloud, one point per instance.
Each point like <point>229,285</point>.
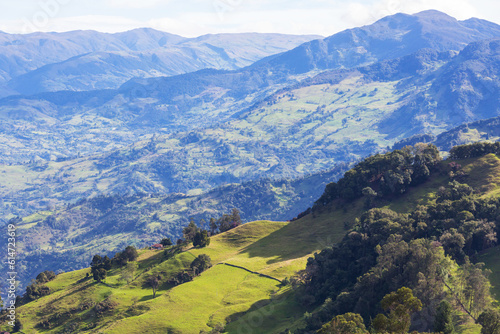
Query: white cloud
<point>134,3</point>
<point>197,17</point>
<point>89,22</point>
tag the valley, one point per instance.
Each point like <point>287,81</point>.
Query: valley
<point>254,182</point>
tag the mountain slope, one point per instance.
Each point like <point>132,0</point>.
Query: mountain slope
<point>208,97</point>
<point>337,116</point>
<point>391,37</point>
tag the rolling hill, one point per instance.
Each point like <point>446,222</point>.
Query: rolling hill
<point>243,283</point>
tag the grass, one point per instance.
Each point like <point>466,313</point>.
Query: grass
<point>220,294</point>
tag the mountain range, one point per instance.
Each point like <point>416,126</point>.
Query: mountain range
<point>89,60</point>
<point>252,119</point>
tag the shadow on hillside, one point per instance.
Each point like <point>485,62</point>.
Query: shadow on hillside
<point>296,240</point>
<point>150,297</point>
<point>283,306</point>
<point>77,289</point>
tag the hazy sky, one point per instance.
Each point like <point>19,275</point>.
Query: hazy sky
<point>197,17</point>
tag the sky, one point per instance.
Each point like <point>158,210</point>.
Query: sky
<point>192,18</point>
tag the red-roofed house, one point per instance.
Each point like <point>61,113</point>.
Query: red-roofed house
<point>157,247</point>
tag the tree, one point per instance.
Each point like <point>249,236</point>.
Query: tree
<point>213,226</point>
<point>444,319</point>
<point>154,282</point>
<point>490,320</point>
<point>106,263</point>
<point>201,239</point>
<point>370,195</point>
<point>202,224</point>
<point>227,222</point>
<point>190,231</point>
<point>99,274</point>
<point>474,288</point>
<point>235,218</point>
<point>349,323</point>
<point>166,242</point>
<point>400,304</point>
<point>130,253</point>
<point>98,267</point>
<point>201,263</point>
<point>45,276</point>
<point>128,272</point>
<point>96,260</point>
<point>18,326</point>
<point>41,278</point>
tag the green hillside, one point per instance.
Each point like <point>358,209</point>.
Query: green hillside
<point>64,239</point>
<point>233,293</point>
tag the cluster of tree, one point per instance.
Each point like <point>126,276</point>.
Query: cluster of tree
<point>386,174</point>
<point>226,222</point>
<point>166,242</point>
<point>400,306</point>
<point>127,255</point>
<point>201,237</point>
<point>474,150</point>
<point>427,250</point>
<point>199,265</point>
<point>490,320</point>
<point>37,289</point>
<point>198,236</point>
<point>100,265</point>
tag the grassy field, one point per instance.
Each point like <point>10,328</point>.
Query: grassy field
<point>217,294</point>
<point>220,294</point>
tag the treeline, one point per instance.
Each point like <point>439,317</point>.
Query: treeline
<point>474,150</point>
<point>386,174</point>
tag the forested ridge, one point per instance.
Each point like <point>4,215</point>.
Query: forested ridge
<point>431,249</point>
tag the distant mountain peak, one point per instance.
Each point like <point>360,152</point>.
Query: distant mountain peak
<point>434,14</point>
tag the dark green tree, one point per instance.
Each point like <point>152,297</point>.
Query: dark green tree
<point>96,260</point>
<point>190,231</point>
<point>235,218</point>
<point>443,322</point>
<point>201,239</point>
<point>200,264</point>
<point>490,320</point>
<point>99,274</point>
<point>18,326</point>
<point>213,226</point>
<point>370,195</point>
<point>154,282</point>
<point>106,263</point>
<point>166,242</point>
<point>400,304</point>
<point>349,323</point>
